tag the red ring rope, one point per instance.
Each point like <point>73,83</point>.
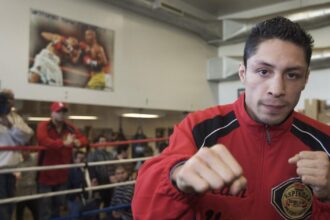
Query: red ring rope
<point>105,144</point>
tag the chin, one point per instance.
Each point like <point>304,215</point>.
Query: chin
<point>272,121</point>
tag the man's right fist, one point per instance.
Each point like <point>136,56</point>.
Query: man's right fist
<point>210,169</point>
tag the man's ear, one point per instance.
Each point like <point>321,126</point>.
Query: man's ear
<point>242,72</point>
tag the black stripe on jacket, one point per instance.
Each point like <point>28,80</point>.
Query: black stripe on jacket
<point>207,132</point>
<point>312,137</point>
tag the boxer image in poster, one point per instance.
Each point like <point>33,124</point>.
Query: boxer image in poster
<point>68,53</point>
<point>95,58</point>
<point>46,68</point>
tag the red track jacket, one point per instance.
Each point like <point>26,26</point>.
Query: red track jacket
<point>56,152</point>
<point>274,190</point>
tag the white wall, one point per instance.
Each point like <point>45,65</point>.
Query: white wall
<point>317,87</point>
<point>155,65</point>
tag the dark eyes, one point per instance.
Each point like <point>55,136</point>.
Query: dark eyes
<point>292,75</point>
<point>262,72</point>
<point>289,75</point>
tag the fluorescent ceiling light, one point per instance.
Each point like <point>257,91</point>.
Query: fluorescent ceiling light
<point>322,55</point>
<point>139,115</point>
<point>72,117</point>
<point>82,117</point>
<point>309,14</point>
<point>38,118</point>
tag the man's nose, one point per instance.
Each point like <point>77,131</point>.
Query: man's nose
<point>277,86</point>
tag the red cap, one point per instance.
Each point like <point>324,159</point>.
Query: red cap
<point>58,106</point>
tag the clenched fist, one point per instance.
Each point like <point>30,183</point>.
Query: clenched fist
<point>314,169</point>
<point>210,169</point>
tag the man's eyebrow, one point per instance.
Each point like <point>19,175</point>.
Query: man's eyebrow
<point>295,68</point>
<point>263,63</point>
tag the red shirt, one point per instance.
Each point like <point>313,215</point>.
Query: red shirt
<point>56,152</point>
<point>274,191</point>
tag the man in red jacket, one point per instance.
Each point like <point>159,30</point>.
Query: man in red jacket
<point>254,159</point>
<point>59,137</point>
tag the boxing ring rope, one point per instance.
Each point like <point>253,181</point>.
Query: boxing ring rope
<point>65,166</point>
<point>115,143</point>
<point>105,144</point>
<point>94,212</point>
<point>63,192</point>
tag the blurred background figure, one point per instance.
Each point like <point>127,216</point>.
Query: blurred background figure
<point>122,153</point>
<point>13,132</point>
<point>100,174</point>
<point>122,195</point>
<point>76,180</point>
<point>78,202</point>
<point>59,137</point>
<point>26,185</point>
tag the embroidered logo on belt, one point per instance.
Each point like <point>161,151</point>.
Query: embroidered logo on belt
<point>293,199</point>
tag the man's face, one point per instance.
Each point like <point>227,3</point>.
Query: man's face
<point>89,36</point>
<point>102,140</point>
<point>59,116</point>
<point>80,158</point>
<point>274,79</point>
<point>121,174</point>
<point>11,101</point>
<point>70,45</point>
<point>123,155</point>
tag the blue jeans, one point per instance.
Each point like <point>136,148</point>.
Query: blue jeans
<point>7,190</point>
<point>74,208</point>
<point>50,207</point>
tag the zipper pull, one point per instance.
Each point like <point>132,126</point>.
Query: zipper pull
<point>268,137</point>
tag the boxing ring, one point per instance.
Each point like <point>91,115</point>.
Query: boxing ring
<point>85,166</point>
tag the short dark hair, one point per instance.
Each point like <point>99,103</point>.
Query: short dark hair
<point>280,28</point>
<point>77,152</point>
<point>121,148</point>
<point>3,104</point>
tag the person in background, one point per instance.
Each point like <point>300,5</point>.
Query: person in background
<point>122,154</point>
<point>77,180</point>
<point>59,137</point>
<point>256,158</point>
<point>100,174</point>
<point>122,195</point>
<point>13,132</point>
<point>26,185</point>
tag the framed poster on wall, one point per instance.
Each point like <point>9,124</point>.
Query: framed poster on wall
<point>68,53</point>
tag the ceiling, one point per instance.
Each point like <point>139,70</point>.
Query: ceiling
<point>220,8</point>
<point>207,18</point>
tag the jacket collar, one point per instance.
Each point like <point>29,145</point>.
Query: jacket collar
<point>51,125</point>
<point>258,128</point>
